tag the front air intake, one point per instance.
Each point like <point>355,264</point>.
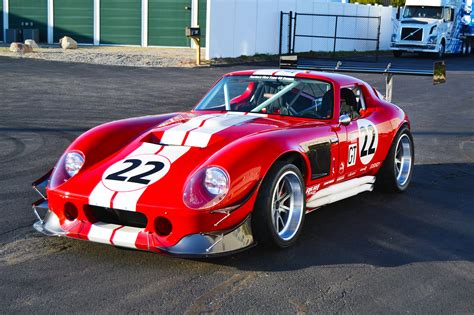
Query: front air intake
<point>115,216</point>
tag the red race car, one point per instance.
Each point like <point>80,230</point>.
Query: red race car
<point>258,152</point>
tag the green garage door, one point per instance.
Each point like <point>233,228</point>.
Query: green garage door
<point>120,22</point>
<point>29,14</point>
<point>167,20</point>
<point>75,19</point>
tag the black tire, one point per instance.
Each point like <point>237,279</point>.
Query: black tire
<point>387,176</point>
<point>263,228</point>
<point>442,50</point>
<point>397,53</point>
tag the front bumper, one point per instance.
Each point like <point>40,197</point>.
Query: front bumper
<point>429,48</point>
<point>194,245</point>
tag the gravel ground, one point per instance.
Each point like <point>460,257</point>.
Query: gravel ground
<point>114,55</point>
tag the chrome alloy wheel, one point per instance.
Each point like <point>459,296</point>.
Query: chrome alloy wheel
<point>403,160</point>
<point>287,205</point>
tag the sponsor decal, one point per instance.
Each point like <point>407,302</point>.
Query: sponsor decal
<point>340,178</point>
<point>312,190</point>
<point>328,182</point>
<point>375,165</point>
<point>341,168</point>
<point>351,159</point>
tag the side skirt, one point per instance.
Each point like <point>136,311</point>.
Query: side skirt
<point>340,191</point>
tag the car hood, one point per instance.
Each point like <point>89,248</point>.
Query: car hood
<point>183,143</point>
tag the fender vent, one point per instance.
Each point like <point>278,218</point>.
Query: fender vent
<point>115,216</point>
<point>320,159</point>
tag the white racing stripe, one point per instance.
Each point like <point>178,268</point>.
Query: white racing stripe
<point>126,236</point>
<point>101,196</point>
<point>114,234</point>
<point>175,135</point>
<point>200,137</point>
<point>265,72</point>
<point>287,73</point>
<point>102,232</point>
<point>128,200</point>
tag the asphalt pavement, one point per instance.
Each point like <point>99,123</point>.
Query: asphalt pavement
<point>373,253</point>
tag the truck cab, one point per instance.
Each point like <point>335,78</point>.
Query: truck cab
<point>434,26</point>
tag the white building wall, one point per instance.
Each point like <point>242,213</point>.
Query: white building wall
<point>249,27</point>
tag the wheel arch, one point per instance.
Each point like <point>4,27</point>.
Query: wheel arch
<point>296,158</point>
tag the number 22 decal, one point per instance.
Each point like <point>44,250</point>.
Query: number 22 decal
<point>367,132</point>
<point>157,166</point>
<point>135,172</point>
<point>368,140</point>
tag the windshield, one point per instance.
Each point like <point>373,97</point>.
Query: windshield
<point>271,95</point>
<point>423,12</point>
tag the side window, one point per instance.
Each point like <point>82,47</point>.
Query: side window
<point>349,103</point>
<point>448,14</point>
<point>360,99</point>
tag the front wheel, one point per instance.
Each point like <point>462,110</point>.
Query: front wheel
<point>442,51</point>
<point>397,169</point>
<point>278,216</point>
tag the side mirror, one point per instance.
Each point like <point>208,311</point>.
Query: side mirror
<point>344,120</point>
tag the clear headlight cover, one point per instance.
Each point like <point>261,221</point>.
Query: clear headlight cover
<point>68,166</point>
<point>206,188</point>
<point>73,162</point>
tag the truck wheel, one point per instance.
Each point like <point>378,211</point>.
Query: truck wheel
<point>278,215</point>
<point>465,49</point>
<point>397,53</point>
<point>442,50</point>
<point>397,169</point>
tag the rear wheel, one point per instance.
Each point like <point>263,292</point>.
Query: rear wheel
<point>279,211</point>
<point>397,170</point>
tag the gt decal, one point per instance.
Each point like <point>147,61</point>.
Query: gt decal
<point>351,160</point>
<point>368,140</point>
<point>135,172</point>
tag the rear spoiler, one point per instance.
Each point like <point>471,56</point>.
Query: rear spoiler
<point>438,72</point>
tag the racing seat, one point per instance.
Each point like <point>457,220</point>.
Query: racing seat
<point>242,102</point>
<point>326,105</point>
<point>349,103</point>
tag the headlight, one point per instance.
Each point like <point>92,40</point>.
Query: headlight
<point>73,163</point>
<point>68,166</point>
<point>216,181</point>
<point>206,188</point>
<point>394,37</point>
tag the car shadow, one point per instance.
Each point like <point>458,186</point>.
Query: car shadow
<point>432,221</point>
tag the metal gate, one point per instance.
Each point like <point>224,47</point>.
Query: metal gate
<point>289,30</point>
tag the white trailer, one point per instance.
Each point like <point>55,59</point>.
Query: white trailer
<point>434,26</point>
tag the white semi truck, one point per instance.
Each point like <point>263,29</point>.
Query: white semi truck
<point>434,26</point>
